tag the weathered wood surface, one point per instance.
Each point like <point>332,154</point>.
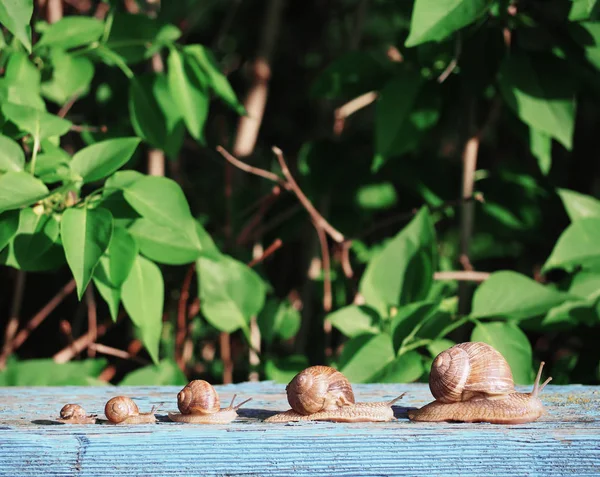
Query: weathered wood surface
<point>564,442</point>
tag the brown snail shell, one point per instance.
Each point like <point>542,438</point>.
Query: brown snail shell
<point>467,370</point>
<point>319,388</point>
<point>75,414</point>
<point>198,397</point>
<point>121,409</point>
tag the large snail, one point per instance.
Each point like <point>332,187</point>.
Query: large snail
<point>321,393</point>
<point>472,382</point>
<point>199,404</point>
<point>75,414</point>
<point>122,410</point>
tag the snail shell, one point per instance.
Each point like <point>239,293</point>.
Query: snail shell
<point>198,397</point>
<point>321,393</point>
<point>472,382</point>
<point>122,410</point>
<point>75,414</point>
<point>468,370</point>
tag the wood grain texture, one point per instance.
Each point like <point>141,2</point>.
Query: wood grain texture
<point>566,441</point>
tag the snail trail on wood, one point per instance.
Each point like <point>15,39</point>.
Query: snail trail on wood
<point>472,382</point>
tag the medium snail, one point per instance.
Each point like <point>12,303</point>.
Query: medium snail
<point>472,382</point>
<point>75,414</point>
<point>199,404</point>
<point>321,393</point>
<point>122,410</point>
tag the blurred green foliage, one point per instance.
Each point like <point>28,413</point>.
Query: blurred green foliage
<point>511,85</point>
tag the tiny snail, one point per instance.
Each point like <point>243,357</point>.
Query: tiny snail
<point>75,414</point>
<point>321,393</point>
<point>122,410</point>
<point>199,404</point>
<point>472,382</point>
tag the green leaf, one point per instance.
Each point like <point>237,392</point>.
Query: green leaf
<point>587,34</point>
<point>101,159</point>
<point>15,15</point>
<point>351,75</point>
<point>165,373</point>
<point>47,372</point>
<point>512,343</point>
<point>110,294</point>
<point>404,369</point>
<point>283,370</point>
<point>579,206</point>
<point>71,75</point>
<point>396,101</point>
<point>9,224</point>
<point>581,9</point>
<point>577,245</point>
<point>85,234</point>
<point>230,292</point>
<point>205,60</point>
<point>365,356</point>
<point>355,320</point>
<point>153,114</point>
<point>188,90</point>
<point>22,81</point>
<point>512,295</point>
<point>35,246</point>
<point>407,318</point>
<point>18,189</point>
<point>278,318</point>
<point>376,196</point>
<point>35,121</point>
<point>541,148</point>
<point>53,166</point>
<point>403,271</point>
<point>12,157</point>
<point>435,20</point>
<point>164,244</point>
<point>162,201</point>
<point>72,31</point>
<point>143,299</point>
<point>541,92</point>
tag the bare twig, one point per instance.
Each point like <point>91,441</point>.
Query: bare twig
<point>54,10</point>
<point>156,157</point>
<point>454,62</point>
<point>251,169</point>
<point>39,317</point>
<point>265,204</point>
<point>277,243</point>
<point>182,316</point>
<point>469,276</point>
<point>345,258</point>
<point>356,104</point>
<point>90,302</point>
<point>135,346</point>
<point>81,343</point>
<point>13,321</point>
<point>225,347</point>
<point>326,264</point>
<point>62,112</point>
<point>317,218</point>
<point>117,353</point>
<point>82,128</point>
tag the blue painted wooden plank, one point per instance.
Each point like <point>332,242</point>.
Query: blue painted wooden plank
<point>564,442</point>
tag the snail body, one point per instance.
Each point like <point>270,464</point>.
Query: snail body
<point>472,382</point>
<point>122,410</point>
<point>75,414</point>
<point>321,393</point>
<point>198,403</point>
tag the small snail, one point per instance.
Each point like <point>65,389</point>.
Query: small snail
<point>122,410</point>
<point>472,382</point>
<point>199,404</point>
<point>321,393</point>
<point>75,414</point>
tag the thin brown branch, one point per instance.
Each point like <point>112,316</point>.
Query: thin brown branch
<point>39,317</point>
<point>83,128</point>
<point>62,112</point>
<point>345,258</point>
<point>90,302</point>
<point>460,275</point>
<point>54,10</point>
<point>315,215</point>
<point>73,349</point>
<point>13,320</point>
<point>352,106</point>
<point>156,157</point>
<point>134,347</point>
<point>225,347</point>
<point>270,250</point>
<point>251,169</point>
<point>454,62</point>
<point>117,353</point>
<point>326,264</point>
<point>194,308</point>
<point>182,316</point>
